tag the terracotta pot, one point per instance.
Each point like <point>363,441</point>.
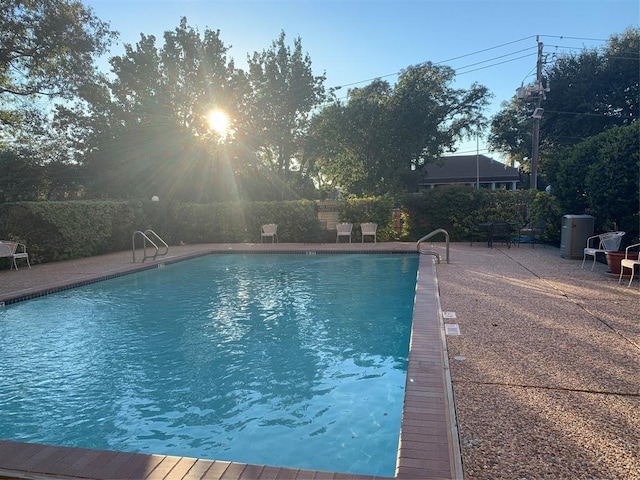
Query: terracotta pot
<point>613,260</point>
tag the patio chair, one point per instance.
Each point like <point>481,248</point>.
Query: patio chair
<point>11,250</point>
<point>631,260</point>
<point>270,230</point>
<point>607,242</point>
<point>500,231</point>
<point>344,230</point>
<point>369,229</point>
<point>531,232</point>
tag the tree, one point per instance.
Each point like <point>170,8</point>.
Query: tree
<point>511,132</point>
<point>47,50</point>
<point>429,116</point>
<point>284,94</point>
<point>376,142</point>
<point>599,176</point>
<point>20,177</point>
<point>155,139</point>
<point>590,92</point>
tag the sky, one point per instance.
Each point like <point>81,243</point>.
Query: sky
<point>352,42</point>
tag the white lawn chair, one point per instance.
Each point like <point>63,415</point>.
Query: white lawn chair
<point>630,261</point>
<point>344,230</point>
<point>607,242</point>
<point>369,229</point>
<point>269,230</point>
<point>10,250</point>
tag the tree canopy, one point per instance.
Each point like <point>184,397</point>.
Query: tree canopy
<point>143,129</point>
<point>156,138</point>
<point>589,132</point>
<point>47,49</point>
<point>590,92</point>
<point>284,93</point>
<point>601,176</point>
<point>375,142</point>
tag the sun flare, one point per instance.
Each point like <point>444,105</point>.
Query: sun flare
<point>218,122</point>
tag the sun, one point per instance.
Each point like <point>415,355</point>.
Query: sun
<point>218,122</point>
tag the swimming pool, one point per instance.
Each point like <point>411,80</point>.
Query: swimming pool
<point>185,396</point>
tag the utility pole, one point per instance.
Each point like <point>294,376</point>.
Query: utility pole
<point>537,115</point>
<point>535,92</point>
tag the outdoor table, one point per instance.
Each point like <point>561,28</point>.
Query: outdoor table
<point>486,227</point>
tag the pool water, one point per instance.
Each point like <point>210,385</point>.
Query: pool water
<point>288,360</point>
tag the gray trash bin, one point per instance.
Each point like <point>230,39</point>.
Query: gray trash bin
<point>575,231</point>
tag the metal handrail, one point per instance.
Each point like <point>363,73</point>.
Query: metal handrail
<point>164,244</point>
<point>432,234</point>
<point>145,239</point>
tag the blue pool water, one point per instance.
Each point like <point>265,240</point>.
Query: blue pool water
<point>288,360</point>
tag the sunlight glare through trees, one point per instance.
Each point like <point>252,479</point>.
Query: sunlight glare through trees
<point>219,122</point>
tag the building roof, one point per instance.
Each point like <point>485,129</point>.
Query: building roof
<point>463,169</point>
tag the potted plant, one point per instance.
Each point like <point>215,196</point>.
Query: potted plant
<point>614,258</point>
<point>613,261</point>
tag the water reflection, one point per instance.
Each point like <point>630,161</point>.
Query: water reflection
<point>274,352</point>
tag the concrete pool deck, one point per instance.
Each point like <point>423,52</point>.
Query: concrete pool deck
<point>545,371</point>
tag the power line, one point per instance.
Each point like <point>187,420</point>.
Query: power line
<point>457,71</point>
<point>586,114</point>
<point>492,65</point>
<point>562,37</point>
<point>484,50</point>
<point>498,57</point>
<point>438,63</point>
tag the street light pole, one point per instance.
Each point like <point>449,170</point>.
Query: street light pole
<point>477,160</point>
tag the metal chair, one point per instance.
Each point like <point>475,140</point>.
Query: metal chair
<point>531,232</point>
<point>500,231</point>
<point>269,230</point>
<point>10,250</point>
<point>607,242</point>
<point>630,261</point>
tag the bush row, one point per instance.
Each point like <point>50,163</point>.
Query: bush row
<point>458,209</point>
<point>55,231</point>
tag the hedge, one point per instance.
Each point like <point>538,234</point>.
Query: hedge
<point>55,231</point>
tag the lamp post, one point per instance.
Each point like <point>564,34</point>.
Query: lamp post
<point>477,160</point>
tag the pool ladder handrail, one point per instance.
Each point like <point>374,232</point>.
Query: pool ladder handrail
<point>431,252</point>
<point>146,238</point>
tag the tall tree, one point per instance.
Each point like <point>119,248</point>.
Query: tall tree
<point>348,143</point>
<point>511,131</point>
<point>430,115</point>
<point>158,140</point>
<point>285,92</point>
<point>590,92</point>
<point>47,49</point>
<point>375,143</point>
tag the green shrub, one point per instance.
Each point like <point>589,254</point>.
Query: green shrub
<point>371,209</point>
<point>55,231</point>
<point>238,222</point>
<point>457,208</point>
